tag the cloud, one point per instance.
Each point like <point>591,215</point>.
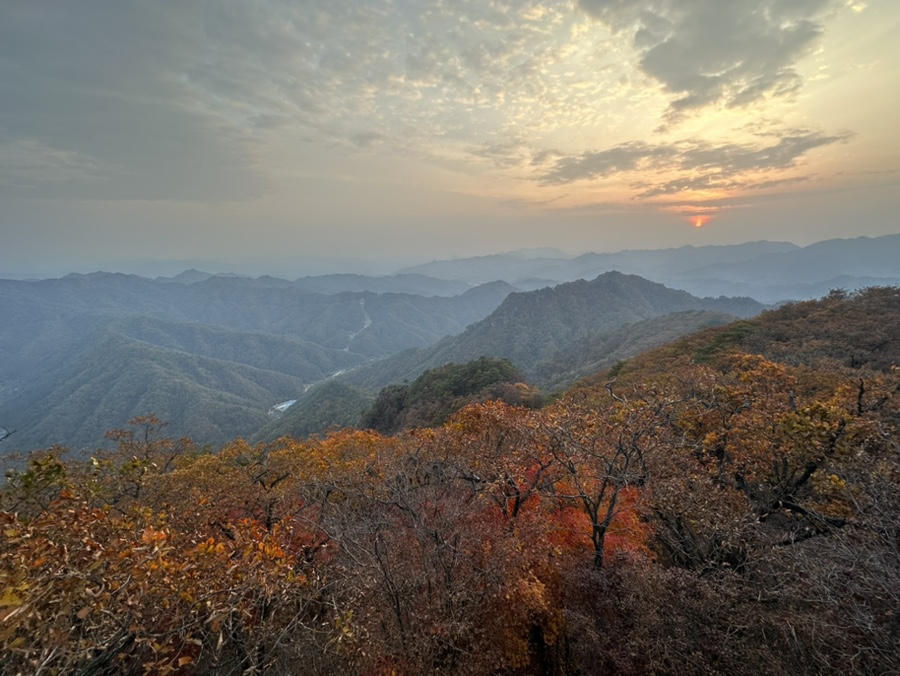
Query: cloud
<point>717,52</point>
<point>590,165</point>
<point>503,154</point>
<point>182,99</point>
<point>700,164</point>
<point>91,90</point>
<point>175,99</point>
<point>366,139</point>
<point>27,164</point>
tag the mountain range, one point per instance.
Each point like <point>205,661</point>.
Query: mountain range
<point>84,353</point>
<point>213,353</point>
<point>532,329</point>
<point>769,272</point>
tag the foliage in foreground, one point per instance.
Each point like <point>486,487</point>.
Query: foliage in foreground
<point>737,515</point>
<point>435,395</point>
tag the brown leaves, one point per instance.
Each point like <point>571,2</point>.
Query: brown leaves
<point>458,549</point>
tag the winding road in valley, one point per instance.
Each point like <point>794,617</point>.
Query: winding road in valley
<point>367,322</point>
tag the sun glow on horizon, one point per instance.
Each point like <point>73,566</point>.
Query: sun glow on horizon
<point>699,221</point>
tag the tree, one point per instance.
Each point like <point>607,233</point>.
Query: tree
<point>604,452</point>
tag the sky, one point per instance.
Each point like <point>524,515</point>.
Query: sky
<point>291,131</point>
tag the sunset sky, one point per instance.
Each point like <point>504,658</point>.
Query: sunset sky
<point>283,130</point>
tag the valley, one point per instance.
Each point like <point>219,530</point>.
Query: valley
<point>211,353</point>
<point>743,475</point>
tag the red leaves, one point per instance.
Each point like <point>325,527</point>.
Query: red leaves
<point>416,552</point>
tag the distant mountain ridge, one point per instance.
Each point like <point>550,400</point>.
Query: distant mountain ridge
<point>643,262</point>
<point>810,272</point>
<point>528,328</point>
<point>415,284</point>
<point>862,256</point>
<point>769,272</point>
<point>210,354</point>
<point>420,285</point>
<point>330,320</point>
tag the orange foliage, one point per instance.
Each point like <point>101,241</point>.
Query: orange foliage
<point>434,550</point>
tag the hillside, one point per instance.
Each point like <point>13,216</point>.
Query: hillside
<point>330,320</point>
<point>847,332</point>
<point>247,331</point>
<point>118,378</point>
<point>263,339</point>
<point>68,385</point>
<point>598,351</point>
<point>329,405</point>
<point>301,359</point>
<point>434,396</point>
<point>332,404</point>
<point>528,328</point>
<point>532,327</point>
<point>727,503</point>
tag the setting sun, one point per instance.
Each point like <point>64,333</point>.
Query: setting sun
<point>699,221</point>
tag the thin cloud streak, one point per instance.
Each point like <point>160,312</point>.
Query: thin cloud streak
<point>699,163</point>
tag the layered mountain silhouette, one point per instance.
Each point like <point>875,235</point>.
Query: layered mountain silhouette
<point>769,272</point>
<point>209,354</point>
<point>213,353</point>
<point>534,327</point>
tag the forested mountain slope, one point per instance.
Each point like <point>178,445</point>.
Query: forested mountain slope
<point>436,394</point>
<point>210,356</point>
<point>332,404</point>
<point>529,327</point>
<point>532,327</point>
<point>305,360</point>
<point>335,320</point>
<point>118,378</point>
<point>598,351</point>
<point>840,331</point>
<point>726,504</point>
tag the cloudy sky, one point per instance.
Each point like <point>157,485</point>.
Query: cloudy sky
<point>242,130</point>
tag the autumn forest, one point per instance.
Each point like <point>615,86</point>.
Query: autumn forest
<point>726,503</point>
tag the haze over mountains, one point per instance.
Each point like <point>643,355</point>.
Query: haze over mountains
<point>533,327</point>
<point>769,272</point>
<point>79,353</point>
<point>212,353</point>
